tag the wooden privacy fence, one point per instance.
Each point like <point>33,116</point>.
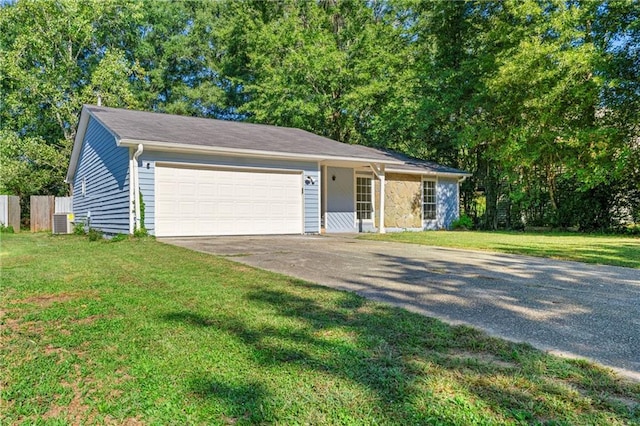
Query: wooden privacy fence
<point>44,206</point>
<point>64,205</point>
<point>42,209</point>
<point>10,211</point>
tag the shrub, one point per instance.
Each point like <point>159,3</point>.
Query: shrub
<point>140,233</point>
<point>463,222</point>
<point>632,230</point>
<point>78,228</point>
<point>118,237</point>
<point>94,234</point>
<point>4,229</point>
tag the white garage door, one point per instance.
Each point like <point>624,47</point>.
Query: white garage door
<point>200,201</point>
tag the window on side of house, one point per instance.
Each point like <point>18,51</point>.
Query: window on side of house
<point>429,199</point>
<point>364,198</point>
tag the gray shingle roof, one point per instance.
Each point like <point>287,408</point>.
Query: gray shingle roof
<point>159,128</point>
<point>410,164</point>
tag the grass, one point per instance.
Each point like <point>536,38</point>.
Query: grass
<point>589,248</point>
<point>138,332</point>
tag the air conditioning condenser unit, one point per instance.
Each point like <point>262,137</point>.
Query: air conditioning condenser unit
<point>63,223</point>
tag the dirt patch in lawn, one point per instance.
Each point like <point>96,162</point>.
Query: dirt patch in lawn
<point>78,411</point>
<point>10,323</point>
<point>39,328</point>
<point>44,300</point>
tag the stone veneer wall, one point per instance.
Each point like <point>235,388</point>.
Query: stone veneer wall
<point>403,201</point>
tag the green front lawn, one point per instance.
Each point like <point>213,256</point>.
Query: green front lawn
<point>138,332</point>
<point>590,248</point>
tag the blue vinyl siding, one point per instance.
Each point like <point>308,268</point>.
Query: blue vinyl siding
<point>340,200</point>
<point>104,167</point>
<point>146,173</point>
<point>312,199</point>
<point>447,199</point>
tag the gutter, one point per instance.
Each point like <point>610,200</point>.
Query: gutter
<point>135,181</point>
<point>461,176</point>
<point>199,149</point>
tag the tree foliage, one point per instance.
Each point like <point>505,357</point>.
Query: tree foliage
<point>328,67</point>
<point>29,164</point>
<point>539,99</point>
<point>54,57</point>
<point>529,91</point>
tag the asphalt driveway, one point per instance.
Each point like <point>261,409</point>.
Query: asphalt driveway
<point>567,308</point>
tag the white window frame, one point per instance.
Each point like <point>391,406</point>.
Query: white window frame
<point>435,199</point>
<point>372,197</point>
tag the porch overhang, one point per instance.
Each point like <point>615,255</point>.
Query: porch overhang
<point>360,165</point>
<point>376,168</point>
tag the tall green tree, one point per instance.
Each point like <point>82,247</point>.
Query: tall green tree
<point>326,66</point>
<point>28,164</point>
<point>55,56</point>
<point>548,114</point>
<point>453,57</point>
<point>174,49</point>
<point>537,98</point>
<point>530,96</point>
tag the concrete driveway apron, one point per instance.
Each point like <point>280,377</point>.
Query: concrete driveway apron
<point>567,308</point>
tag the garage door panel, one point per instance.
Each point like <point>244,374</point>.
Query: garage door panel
<point>207,209</point>
<point>192,201</point>
<point>207,187</point>
<point>187,189</point>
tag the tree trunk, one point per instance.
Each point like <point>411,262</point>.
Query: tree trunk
<point>491,190</point>
<point>491,197</point>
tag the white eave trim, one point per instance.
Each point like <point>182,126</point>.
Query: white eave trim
<point>176,147</point>
<point>77,145</point>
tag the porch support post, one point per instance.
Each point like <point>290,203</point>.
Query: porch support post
<point>378,170</point>
<point>323,198</point>
<point>381,229</point>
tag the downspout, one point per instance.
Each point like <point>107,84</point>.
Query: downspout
<point>136,187</point>
<point>381,229</point>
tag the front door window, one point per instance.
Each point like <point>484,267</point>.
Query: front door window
<point>364,199</point>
